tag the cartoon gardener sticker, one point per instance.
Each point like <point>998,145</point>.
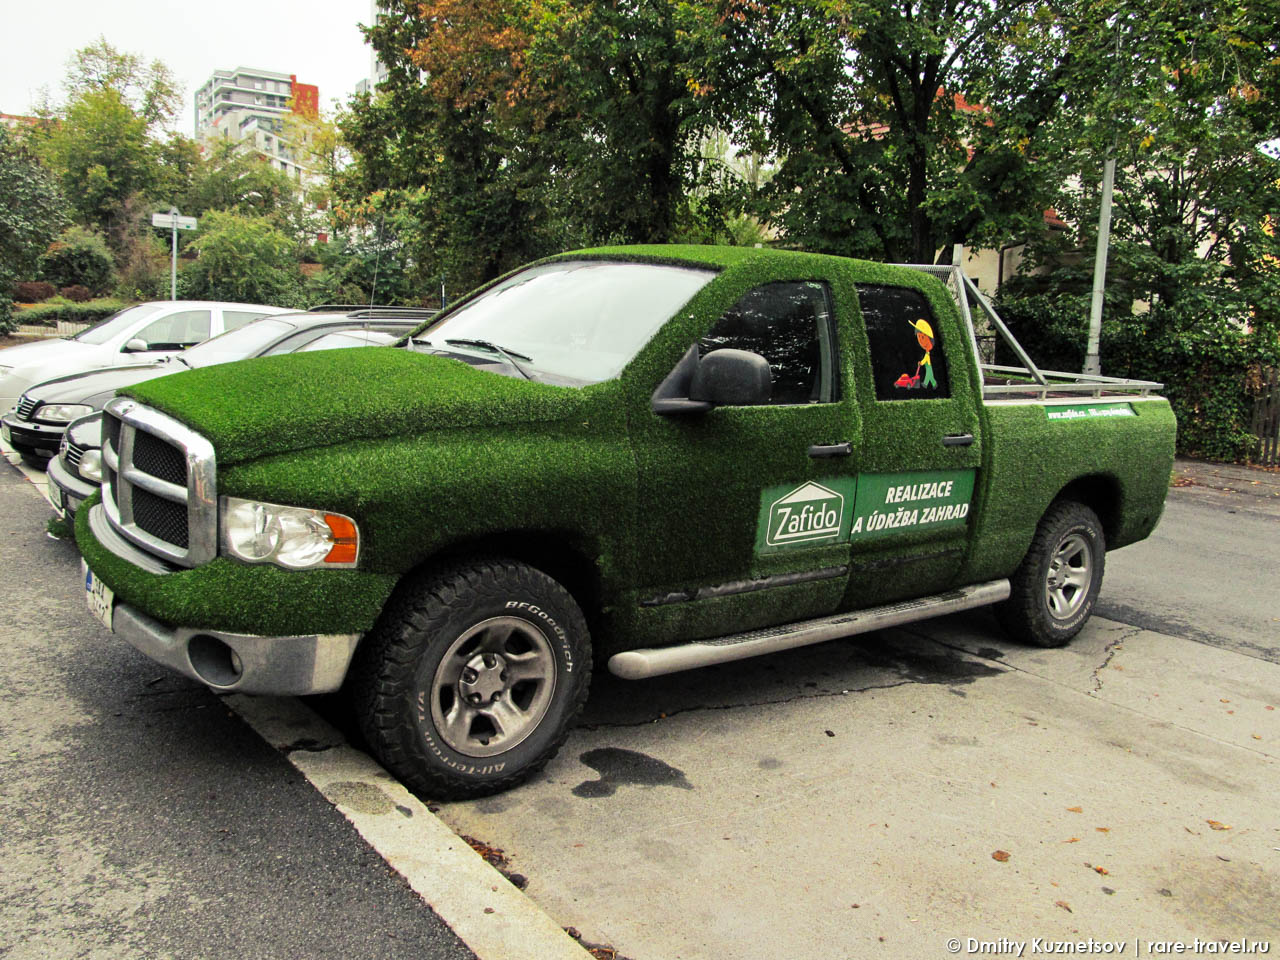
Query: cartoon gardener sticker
<point>924,337</point>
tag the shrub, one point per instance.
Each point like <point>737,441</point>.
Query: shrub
<point>77,293</point>
<point>79,257</point>
<point>48,314</point>
<point>244,259</point>
<point>33,291</point>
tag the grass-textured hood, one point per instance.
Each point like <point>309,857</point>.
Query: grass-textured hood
<point>274,405</point>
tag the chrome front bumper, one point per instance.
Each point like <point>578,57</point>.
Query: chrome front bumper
<point>72,490</point>
<point>236,662</point>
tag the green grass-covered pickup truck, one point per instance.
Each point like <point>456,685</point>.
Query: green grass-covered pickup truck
<point>653,458</point>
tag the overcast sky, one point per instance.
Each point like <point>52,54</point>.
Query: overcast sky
<point>316,39</point>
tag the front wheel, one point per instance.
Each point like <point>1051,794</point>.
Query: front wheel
<point>468,683</point>
<point>1056,586</point>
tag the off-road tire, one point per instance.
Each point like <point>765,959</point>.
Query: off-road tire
<point>396,675</point>
<point>1070,534</point>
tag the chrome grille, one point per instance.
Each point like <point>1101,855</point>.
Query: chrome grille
<point>159,487</point>
<point>26,406</point>
<point>72,454</point>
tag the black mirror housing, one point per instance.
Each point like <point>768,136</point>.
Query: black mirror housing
<point>735,378</point>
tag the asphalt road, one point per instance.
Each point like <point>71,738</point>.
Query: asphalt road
<point>140,818</point>
<point>844,800</point>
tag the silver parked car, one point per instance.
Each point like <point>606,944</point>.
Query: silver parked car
<point>143,332</point>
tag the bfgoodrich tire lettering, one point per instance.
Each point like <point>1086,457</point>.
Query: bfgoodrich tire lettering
<point>1056,585</point>
<point>472,676</point>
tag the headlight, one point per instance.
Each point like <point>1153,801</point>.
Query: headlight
<point>61,412</point>
<point>91,465</point>
<point>292,537</point>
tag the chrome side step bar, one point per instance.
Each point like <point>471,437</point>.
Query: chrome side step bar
<point>654,662</point>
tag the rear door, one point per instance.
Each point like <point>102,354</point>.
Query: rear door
<point>921,449</point>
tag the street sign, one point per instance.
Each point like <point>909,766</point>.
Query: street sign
<point>171,222</point>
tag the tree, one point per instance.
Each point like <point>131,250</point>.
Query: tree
<point>32,212</point>
<point>232,179</point>
<point>103,156</point>
<point>244,259</point>
<point>149,89</point>
<point>900,127</point>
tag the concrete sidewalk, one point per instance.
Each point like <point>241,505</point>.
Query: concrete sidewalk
<point>1257,488</point>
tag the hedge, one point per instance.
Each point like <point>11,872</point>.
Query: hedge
<point>48,314</point>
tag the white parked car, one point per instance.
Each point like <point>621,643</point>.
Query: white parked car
<point>146,331</point>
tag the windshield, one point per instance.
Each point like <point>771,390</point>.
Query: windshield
<point>578,319</point>
<point>116,323</point>
<point>236,344</point>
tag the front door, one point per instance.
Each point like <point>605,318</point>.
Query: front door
<point>744,511</point>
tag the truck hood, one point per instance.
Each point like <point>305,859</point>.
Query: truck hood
<point>273,405</point>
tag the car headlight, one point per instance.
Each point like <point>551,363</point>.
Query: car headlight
<point>90,465</point>
<point>291,537</point>
<point>62,412</point>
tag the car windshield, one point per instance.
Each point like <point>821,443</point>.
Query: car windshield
<point>103,331</point>
<point>237,344</point>
<point>582,320</point>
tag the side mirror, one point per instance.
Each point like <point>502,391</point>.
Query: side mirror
<point>725,376</point>
<point>736,378</point>
<point>136,345</point>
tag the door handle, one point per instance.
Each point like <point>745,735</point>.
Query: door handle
<point>822,451</point>
<point>957,440</point>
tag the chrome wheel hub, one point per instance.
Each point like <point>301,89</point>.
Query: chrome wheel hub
<point>493,686</point>
<point>1069,577</point>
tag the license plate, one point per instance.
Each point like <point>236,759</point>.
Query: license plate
<point>55,497</point>
<point>100,598</point>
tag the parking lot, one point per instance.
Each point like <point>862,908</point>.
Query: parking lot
<point>877,796</point>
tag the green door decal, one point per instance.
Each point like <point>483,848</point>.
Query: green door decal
<point>871,505</point>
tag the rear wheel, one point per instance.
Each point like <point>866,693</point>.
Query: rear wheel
<point>472,676</point>
<point>1056,586</point>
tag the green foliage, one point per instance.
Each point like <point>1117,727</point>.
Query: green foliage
<point>103,155</point>
<point>31,213</point>
<point>48,314</point>
<point>78,256</point>
<point>243,259</point>
<point>235,180</point>
<point>149,89</point>
<point>365,271</point>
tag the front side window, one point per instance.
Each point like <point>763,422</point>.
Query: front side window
<point>177,330</point>
<point>247,341</point>
<point>907,361</point>
<point>789,324</point>
<point>580,320</point>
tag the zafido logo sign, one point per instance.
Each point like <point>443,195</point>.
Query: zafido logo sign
<point>809,513</point>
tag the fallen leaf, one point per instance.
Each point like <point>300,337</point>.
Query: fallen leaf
<point>1230,711</point>
<point>1256,737</point>
<point>1223,701</point>
<point>1102,870</point>
<point>1215,825</point>
<point>1075,809</point>
<point>1269,707</point>
<point>1103,829</point>
<point>1072,840</point>
<point>1000,855</point>
<point>1064,905</point>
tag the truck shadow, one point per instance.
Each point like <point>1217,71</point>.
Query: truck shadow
<point>861,663</point>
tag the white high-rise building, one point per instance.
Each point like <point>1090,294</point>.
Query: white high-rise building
<point>248,106</point>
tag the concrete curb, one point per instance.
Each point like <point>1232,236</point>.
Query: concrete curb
<point>493,918</point>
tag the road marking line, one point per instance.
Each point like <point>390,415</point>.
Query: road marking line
<point>442,869</point>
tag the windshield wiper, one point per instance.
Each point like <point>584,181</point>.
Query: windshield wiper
<point>507,355</point>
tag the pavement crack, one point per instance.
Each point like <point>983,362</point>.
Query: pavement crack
<point>741,706</point>
<point>1109,652</point>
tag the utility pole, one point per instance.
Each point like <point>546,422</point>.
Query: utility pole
<point>1092,363</point>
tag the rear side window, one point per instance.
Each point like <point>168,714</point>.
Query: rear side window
<point>789,324</point>
<point>907,362</point>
